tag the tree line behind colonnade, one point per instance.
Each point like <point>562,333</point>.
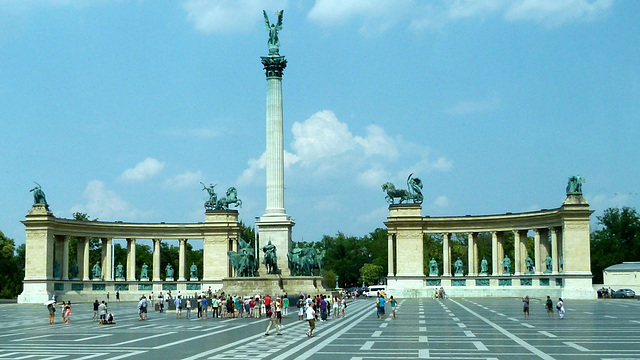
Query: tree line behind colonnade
<point>616,240</point>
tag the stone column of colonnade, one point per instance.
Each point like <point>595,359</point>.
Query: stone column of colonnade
<point>391,255</point>
<point>156,259</point>
<point>61,245</point>
<point>131,259</point>
<point>472,254</point>
<point>446,254</point>
<point>107,254</point>
<point>553,239</point>
<point>83,258</point>
<point>497,252</point>
<point>182,259</point>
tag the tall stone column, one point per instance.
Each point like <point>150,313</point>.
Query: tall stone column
<point>131,259</point>
<point>537,251</point>
<point>495,257</point>
<point>391,256</point>
<point>517,252</point>
<point>182,261</point>
<point>65,258</point>
<point>58,254</point>
<point>473,254</point>
<point>85,260</point>
<point>107,253</point>
<point>553,239</point>
<point>500,252</point>
<point>275,225</point>
<point>446,254</point>
<point>156,259</point>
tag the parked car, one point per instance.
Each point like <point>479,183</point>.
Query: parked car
<point>374,290</point>
<point>624,293</point>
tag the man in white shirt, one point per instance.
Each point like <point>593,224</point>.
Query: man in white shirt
<point>178,302</point>
<point>311,318</point>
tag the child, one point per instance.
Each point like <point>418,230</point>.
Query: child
<point>393,303</point>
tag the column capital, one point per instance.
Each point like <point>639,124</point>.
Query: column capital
<point>274,65</point>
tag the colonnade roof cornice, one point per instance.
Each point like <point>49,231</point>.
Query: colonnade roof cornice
<point>542,219</point>
<point>122,230</point>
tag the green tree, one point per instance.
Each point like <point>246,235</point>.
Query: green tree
<point>372,273</point>
<point>11,268</point>
<point>617,241</point>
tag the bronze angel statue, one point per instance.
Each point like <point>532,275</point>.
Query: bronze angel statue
<point>274,42</point>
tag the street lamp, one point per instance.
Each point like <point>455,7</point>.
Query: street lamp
<point>363,282</point>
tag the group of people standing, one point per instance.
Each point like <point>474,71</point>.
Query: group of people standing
<point>320,308</point>
<point>65,309</point>
<point>548,305</point>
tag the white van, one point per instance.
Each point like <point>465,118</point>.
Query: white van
<point>375,289</point>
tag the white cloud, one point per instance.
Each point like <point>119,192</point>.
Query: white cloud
<point>225,16</point>
<point>249,175</point>
<point>326,145</point>
<point>378,15</point>
<point>186,180</point>
<point>554,12</point>
<point>441,201</point>
<point>105,204</point>
<point>321,136</point>
<point>145,170</point>
<point>373,177</point>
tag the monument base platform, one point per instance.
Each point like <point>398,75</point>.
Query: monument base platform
<point>568,286</point>
<point>274,285</point>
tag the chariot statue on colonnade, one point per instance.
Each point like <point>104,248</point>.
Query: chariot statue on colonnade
<point>414,192</point>
<point>213,203</point>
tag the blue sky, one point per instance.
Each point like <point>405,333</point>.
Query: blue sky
<point>120,108</point>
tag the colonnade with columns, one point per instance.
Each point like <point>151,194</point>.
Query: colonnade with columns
<point>108,272</point>
<point>47,263</point>
<point>562,234</point>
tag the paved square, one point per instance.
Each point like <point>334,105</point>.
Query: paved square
<point>463,328</point>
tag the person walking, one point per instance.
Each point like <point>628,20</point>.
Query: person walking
<point>142,308</point>
<point>285,305</point>
<point>561,309</point>
<point>393,303</point>
<point>102,311</point>
<point>343,307</point>
<point>178,302</point>
<point>311,318</point>
<point>67,314</point>
<point>63,309</point>
<point>323,309</point>
<point>118,296</point>
<point>525,301</point>
<point>301,307</point>
<point>336,307</point>
<point>549,306</point>
<point>380,303</point>
<point>95,309</point>
<point>52,312</point>
<point>273,321</point>
<point>205,307</point>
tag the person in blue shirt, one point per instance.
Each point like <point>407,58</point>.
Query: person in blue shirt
<point>380,304</point>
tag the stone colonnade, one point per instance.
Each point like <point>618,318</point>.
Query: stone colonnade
<point>47,263</point>
<point>562,234</point>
